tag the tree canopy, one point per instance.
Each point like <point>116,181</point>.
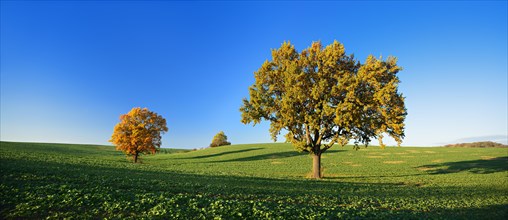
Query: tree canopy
<point>220,139</point>
<point>322,96</point>
<point>139,132</point>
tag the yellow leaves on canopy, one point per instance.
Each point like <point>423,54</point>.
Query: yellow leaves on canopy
<point>321,95</point>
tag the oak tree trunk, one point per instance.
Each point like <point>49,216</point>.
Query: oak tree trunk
<point>316,166</point>
<point>135,157</point>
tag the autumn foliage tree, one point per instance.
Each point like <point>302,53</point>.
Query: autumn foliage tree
<point>321,96</point>
<point>220,139</point>
<point>139,132</point>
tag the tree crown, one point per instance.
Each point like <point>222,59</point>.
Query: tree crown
<point>322,95</point>
<point>220,139</point>
<point>139,131</point>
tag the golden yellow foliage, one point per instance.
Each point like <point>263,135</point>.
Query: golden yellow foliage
<point>220,139</point>
<point>139,132</point>
<point>322,96</point>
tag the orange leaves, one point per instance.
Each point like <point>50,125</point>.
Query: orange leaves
<point>139,132</point>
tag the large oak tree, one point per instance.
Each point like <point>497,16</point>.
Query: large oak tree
<point>321,97</point>
<point>139,132</point>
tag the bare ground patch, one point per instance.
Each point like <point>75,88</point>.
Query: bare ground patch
<point>401,153</point>
<point>426,168</point>
<point>492,158</point>
<point>394,162</point>
<point>332,175</point>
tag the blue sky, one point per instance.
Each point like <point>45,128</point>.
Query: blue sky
<point>70,69</point>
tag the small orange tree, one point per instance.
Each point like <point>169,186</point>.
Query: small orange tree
<point>139,132</point>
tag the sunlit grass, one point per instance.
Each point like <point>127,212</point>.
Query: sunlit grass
<point>252,181</point>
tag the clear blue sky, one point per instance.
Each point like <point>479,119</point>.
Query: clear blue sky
<point>70,69</point>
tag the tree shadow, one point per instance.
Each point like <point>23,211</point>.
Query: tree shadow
<point>482,166</point>
<point>278,155</point>
<point>220,154</point>
<point>121,185</point>
<point>332,151</point>
<point>369,176</point>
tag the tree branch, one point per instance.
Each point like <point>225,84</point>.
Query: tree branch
<point>317,139</point>
<point>320,137</point>
<point>328,146</point>
<point>307,134</point>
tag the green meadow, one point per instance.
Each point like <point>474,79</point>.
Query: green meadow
<point>255,181</point>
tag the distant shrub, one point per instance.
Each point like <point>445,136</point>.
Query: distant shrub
<point>484,144</point>
<point>220,139</point>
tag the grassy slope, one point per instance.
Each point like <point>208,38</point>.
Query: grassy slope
<point>259,180</point>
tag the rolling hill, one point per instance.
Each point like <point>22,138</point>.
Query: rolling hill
<point>252,181</point>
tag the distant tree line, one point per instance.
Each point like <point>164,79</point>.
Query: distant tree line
<point>483,144</point>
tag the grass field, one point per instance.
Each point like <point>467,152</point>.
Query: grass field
<point>252,181</point>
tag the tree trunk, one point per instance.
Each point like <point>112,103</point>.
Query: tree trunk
<point>316,166</point>
<point>135,157</point>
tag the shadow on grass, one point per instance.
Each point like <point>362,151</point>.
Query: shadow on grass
<point>278,155</point>
<point>189,194</point>
<point>221,154</point>
<point>483,166</point>
<point>369,176</point>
